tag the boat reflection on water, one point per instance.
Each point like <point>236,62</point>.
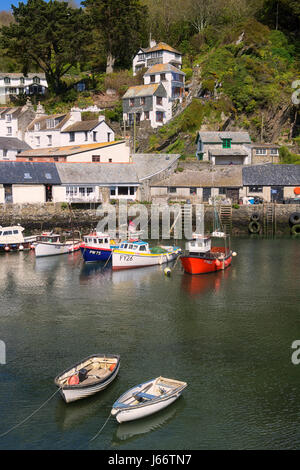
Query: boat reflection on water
<point>197,284</point>
<point>133,429</point>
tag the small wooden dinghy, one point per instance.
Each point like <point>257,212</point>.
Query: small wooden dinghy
<point>147,398</point>
<point>89,376</point>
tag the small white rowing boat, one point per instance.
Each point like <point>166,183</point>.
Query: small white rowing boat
<point>50,244</point>
<point>88,377</point>
<point>147,398</point>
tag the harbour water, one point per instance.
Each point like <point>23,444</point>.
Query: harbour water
<point>228,334</point>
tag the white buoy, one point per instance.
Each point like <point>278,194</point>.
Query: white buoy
<point>167,272</point>
<point>21,247</point>
<point>234,253</point>
<point>6,248</point>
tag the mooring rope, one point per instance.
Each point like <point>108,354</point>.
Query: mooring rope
<point>28,417</point>
<point>97,434</point>
<point>108,259</point>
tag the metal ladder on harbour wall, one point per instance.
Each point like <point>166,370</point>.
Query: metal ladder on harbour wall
<point>187,219</point>
<point>269,219</point>
<point>225,214</point>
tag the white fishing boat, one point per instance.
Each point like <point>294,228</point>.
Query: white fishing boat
<point>135,253</point>
<point>12,239</point>
<point>88,377</point>
<point>147,398</point>
<point>49,244</point>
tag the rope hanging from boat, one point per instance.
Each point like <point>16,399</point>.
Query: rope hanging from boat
<point>108,259</point>
<point>28,417</point>
<point>97,434</point>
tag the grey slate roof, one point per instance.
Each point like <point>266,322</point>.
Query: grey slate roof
<point>236,151</point>
<point>28,173</point>
<point>148,164</point>
<point>209,176</point>
<point>145,90</point>
<point>271,175</point>
<point>216,137</point>
<point>12,143</point>
<point>97,173</point>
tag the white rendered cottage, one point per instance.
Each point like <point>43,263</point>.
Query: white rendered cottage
<point>14,84</point>
<point>171,77</point>
<point>65,129</point>
<point>160,53</point>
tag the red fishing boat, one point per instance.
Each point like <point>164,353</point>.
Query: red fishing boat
<point>201,257</point>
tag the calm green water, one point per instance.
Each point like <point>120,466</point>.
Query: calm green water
<point>228,335</point>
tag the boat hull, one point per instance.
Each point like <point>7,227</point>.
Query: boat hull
<point>145,410</point>
<point>52,249</point>
<point>201,265</point>
<point>92,255</point>
<point>129,260</point>
<point>70,395</point>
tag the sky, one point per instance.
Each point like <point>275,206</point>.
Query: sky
<point>5,4</point>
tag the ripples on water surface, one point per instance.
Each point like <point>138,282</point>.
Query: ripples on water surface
<point>227,334</point>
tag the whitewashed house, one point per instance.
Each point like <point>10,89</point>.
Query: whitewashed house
<point>66,129</point>
<point>14,84</point>
<point>172,78</point>
<point>224,148</point>
<point>160,53</point>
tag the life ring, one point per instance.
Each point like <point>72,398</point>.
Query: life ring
<point>295,218</point>
<point>255,217</point>
<point>254,226</point>
<point>295,230</point>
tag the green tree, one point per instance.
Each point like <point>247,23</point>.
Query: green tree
<point>120,26</point>
<point>50,35</point>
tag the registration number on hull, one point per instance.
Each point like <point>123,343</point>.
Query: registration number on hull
<point>126,258</point>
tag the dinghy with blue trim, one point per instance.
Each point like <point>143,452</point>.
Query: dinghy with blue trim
<point>147,398</point>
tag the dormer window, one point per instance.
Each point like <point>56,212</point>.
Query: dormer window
<point>50,123</point>
<point>27,176</point>
<point>226,143</point>
<point>37,126</point>
<point>36,80</point>
<point>6,80</point>
<point>162,77</point>
<point>8,118</point>
<point>22,80</point>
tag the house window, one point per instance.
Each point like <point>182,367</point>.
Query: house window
<point>49,140</point>
<point>8,118</point>
<point>37,126</point>
<point>50,123</point>
<point>226,143</point>
<point>146,114</point>
<point>108,136</point>
<point>131,102</point>
<point>110,160</point>
<point>4,153</point>
<point>21,90</point>
<point>94,136</point>
<point>72,136</point>
<point>131,190</point>
<point>142,101</point>
<point>36,80</point>
<point>13,91</point>
<point>152,78</point>
<point>222,191</point>
<point>162,77</point>
<point>255,189</point>
<point>274,151</point>
<point>86,136</point>
<point>261,151</point>
<point>22,80</point>
<point>9,130</point>
<point>113,191</point>
<point>6,80</point>
<point>95,158</point>
<point>56,159</point>
<point>172,190</point>
<point>159,100</point>
<point>37,141</point>
<point>159,116</point>
<point>193,191</point>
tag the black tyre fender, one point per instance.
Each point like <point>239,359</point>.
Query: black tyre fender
<point>255,217</point>
<point>295,230</point>
<point>254,226</point>
<point>295,218</point>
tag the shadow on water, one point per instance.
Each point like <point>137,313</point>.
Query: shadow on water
<point>199,284</point>
<point>132,430</point>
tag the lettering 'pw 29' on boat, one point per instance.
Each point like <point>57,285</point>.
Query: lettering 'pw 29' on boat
<point>135,253</point>
<point>88,377</point>
<point>147,398</point>
<point>12,239</point>
<point>50,244</point>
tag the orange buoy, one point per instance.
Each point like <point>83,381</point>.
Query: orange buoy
<point>73,380</point>
<point>112,367</point>
<point>297,190</point>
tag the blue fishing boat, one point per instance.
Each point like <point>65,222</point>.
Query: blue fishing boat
<point>97,246</point>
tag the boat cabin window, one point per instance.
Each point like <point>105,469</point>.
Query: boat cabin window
<point>143,248</point>
<point>95,240</point>
<point>16,231</point>
<point>7,232</point>
<point>130,247</point>
<point>124,245</point>
<point>105,240</point>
